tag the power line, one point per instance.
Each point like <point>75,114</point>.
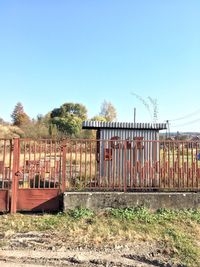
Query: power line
<point>186,116</point>
<point>184,124</point>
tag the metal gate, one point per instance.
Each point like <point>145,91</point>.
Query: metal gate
<point>37,175</point>
<point>5,173</point>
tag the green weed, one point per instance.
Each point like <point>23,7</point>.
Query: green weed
<point>79,213</point>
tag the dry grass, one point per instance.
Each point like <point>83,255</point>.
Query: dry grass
<point>175,231</point>
<point>10,131</point>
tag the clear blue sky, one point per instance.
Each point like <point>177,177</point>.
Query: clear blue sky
<point>86,51</point>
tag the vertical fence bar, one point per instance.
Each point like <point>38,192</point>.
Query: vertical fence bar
<point>149,184</point>
<point>44,164</point>
<point>187,165</point>
<point>9,173</point>
<point>182,167</point>
<point>196,160</point>
<point>75,169</point>
<point>36,166</point>
<point>50,158</point>
<point>119,163</point>
<point>85,178</point>
<point>173,166</point>
<point>80,171</point>
<point>90,164</point>
<point>113,167</point>
<point>25,167</point>
<point>4,161</point>
<point>168,170</point>
<point>192,165</point>
<point>178,155</point>
<point>14,176</point>
<point>131,159</point>
<point>64,155</point>
<point>125,167</point>
<point>95,163</point>
<point>159,156</point>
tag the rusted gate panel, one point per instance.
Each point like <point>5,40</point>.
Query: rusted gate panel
<point>5,173</point>
<point>38,175</point>
<point>38,199</point>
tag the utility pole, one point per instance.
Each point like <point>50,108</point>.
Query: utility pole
<point>168,129</point>
<point>134,115</point>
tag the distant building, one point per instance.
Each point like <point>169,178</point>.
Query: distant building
<point>194,142</point>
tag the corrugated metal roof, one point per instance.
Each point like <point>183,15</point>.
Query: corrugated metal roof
<point>123,125</point>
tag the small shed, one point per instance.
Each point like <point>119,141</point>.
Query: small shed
<point>121,145</point>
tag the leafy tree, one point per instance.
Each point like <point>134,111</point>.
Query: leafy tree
<point>108,111</point>
<point>68,118</point>
<point>18,115</point>
<point>98,118</point>
<point>70,109</point>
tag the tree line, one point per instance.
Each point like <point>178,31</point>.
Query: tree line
<point>62,122</point>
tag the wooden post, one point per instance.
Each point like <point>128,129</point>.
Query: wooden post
<point>14,176</point>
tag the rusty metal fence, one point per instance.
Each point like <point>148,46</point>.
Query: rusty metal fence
<point>33,172</point>
<point>132,165</point>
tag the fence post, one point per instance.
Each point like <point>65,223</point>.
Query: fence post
<point>125,167</point>
<point>64,151</point>
<point>14,175</point>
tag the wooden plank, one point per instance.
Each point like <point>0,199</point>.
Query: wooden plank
<point>35,199</point>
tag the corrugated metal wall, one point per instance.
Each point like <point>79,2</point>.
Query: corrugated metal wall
<point>106,134</point>
<point>124,159</point>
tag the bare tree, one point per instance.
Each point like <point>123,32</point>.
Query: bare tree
<point>108,111</point>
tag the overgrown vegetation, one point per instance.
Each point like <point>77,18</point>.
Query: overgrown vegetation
<point>62,122</point>
<point>175,232</point>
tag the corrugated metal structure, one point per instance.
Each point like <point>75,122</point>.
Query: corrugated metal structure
<point>122,145</point>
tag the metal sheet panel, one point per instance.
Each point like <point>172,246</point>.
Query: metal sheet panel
<point>38,200</point>
<point>119,167</point>
<point>122,125</point>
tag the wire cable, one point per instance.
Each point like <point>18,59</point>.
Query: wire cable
<point>187,116</point>
<point>187,123</point>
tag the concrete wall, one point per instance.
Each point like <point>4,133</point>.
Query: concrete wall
<point>154,201</point>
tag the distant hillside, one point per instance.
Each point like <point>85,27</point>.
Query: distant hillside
<point>8,131</point>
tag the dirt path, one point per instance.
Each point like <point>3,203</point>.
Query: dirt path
<point>15,264</point>
<point>72,258</point>
<point>47,249</point>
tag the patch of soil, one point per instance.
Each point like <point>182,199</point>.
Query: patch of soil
<point>47,249</point>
